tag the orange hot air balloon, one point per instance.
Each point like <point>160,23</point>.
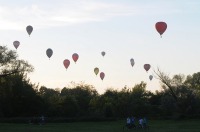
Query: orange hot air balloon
<point>96,70</point>
<point>75,57</point>
<point>161,27</point>
<point>16,44</point>
<point>102,75</point>
<point>66,63</point>
<point>147,67</point>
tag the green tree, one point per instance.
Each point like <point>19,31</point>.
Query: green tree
<point>180,90</point>
<point>10,64</point>
<point>17,93</point>
<point>52,101</point>
<point>82,94</point>
<point>193,81</point>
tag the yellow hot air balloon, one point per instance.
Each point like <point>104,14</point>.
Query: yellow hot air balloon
<point>96,70</point>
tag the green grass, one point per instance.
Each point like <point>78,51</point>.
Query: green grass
<point>115,126</point>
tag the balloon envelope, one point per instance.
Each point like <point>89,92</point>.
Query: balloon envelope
<point>96,70</point>
<point>66,63</point>
<point>132,62</point>
<point>49,52</point>
<point>103,53</point>
<point>102,75</point>
<point>75,57</point>
<point>161,27</point>
<point>29,29</point>
<point>147,67</point>
<point>16,44</point>
<point>150,77</point>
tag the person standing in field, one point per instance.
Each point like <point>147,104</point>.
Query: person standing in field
<point>128,122</point>
<point>141,122</point>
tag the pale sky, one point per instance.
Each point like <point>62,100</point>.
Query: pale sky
<point>124,29</point>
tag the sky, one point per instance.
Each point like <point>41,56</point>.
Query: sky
<point>124,29</point>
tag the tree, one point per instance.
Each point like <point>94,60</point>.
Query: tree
<point>193,81</point>
<point>183,95</point>
<point>167,81</point>
<point>10,64</point>
<point>139,100</point>
<point>52,101</point>
<point>81,95</point>
<point>17,93</point>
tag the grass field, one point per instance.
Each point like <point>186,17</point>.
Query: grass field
<point>115,126</point>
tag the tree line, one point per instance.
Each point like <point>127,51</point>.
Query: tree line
<point>19,97</point>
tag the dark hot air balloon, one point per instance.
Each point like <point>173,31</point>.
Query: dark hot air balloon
<point>29,29</point>
<point>103,53</point>
<point>16,44</point>
<point>49,52</point>
<point>150,77</point>
<point>132,62</point>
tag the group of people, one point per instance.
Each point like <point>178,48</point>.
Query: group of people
<point>37,120</point>
<point>131,122</point>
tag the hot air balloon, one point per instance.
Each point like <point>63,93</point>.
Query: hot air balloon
<point>49,52</point>
<point>150,77</point>
<point>75,57</point>
<point>102,75</point>
<point>132,62</point>
<point>29,29</point>
<point>66,63</point>
<point>96,70</point>
<point>147,67</point>
<point>161,27</point>
<point>103,53</point>
<point>16,44</point>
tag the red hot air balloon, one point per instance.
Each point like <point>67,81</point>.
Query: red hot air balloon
<point>102,75</point>
<point>66,63</point>
<point>147,67</point>
<point>161,27</point>
<point>75,57</point>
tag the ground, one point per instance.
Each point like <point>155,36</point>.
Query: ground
<point>114,126</point>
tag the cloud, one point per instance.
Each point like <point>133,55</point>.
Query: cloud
<point>42,16</point>
<point>65,13</point>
